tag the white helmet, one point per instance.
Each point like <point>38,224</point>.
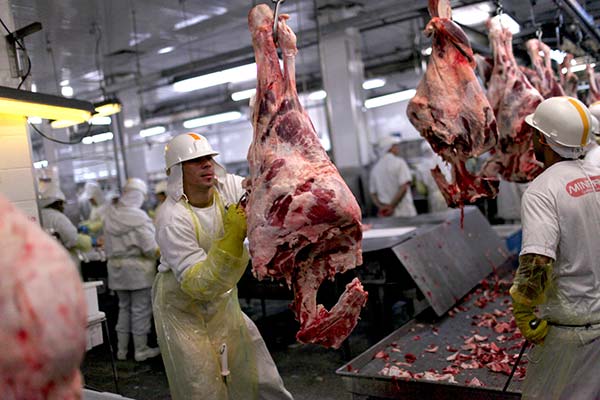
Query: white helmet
<point>187,146</point>
<point>51,194</point>
<point>564,120</point>
<point>160,187</point>
<point>386,143</point>
<point>136,184</point>
<point>595,110</point>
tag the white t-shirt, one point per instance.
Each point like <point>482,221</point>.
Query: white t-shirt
<point>387,175</point>
<point>593,156</point>
<point>560,212</point>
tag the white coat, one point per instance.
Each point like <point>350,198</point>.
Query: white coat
<point>561,220</point>
<point>130,245</point>
<point>387,175</point>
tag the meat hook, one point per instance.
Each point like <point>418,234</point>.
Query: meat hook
<point>276,17</point>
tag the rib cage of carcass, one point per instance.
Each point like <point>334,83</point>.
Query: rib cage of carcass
<point>512,98</point>
<point>546,84</point>
<point>304,224</point>
<point>450,109</point>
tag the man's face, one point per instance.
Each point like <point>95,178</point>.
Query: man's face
<point>199,172</point>
<point>539,145</point>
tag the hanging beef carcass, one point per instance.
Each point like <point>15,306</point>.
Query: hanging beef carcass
<point>484,68</point>
<point>450,109</point>
<point>42,313</point>
<point>304,223</point>
<point>568,80</point>
<point>547,84</point>
<point>512,97</point>
<point>594,91</point>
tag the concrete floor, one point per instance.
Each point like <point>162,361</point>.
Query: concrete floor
<point>308,371</point>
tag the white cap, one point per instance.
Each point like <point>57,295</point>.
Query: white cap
<point>51,194</point>
<point>386,143</point>
<point>136,184</point>
<point>160,187</point>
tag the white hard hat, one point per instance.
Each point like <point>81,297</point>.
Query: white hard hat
<point>51,194</point>
<point>187,146</point>
<point>595,110</point>
<point>136,184</point>
<point>386,143</point>
<point>564,120</point>
<point>160,187</point>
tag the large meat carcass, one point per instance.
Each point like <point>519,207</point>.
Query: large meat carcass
<point>547,84</point>
<point>512,97</point>
<point>42,313</point>
<point>568,80</point>
<point>450,109</point>
<point>304,224</point>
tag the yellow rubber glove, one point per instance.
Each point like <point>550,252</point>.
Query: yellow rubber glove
<point>225,262</point>
<point>234,227</point>
<point>84,242</point>
<point>533,278</point>
<point>524,317</point>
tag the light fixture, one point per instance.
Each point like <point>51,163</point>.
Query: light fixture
<point>100,120</point>
<point>33,87</point>
<point>128,123</point>
<point>64,82</point>
<point>155,130</point>
<point>559,56</point>
<point>107,107</point>
<point>242,95</point>
<point>40,164</point>
<point>66,91</point>
<point>472,15</point>
<point>508,22</point>
<point>242,73</point>
<point>166,50</point>
<point>390,98</point>
<point>373,83</point>
<point>34,120</point>
<point>317,95</point>
<point>578,68</point>
<point>212,119</point>
<point>190,21</point>
<point>29,104</point>
<point>427,51</point>
<point>101,137</point>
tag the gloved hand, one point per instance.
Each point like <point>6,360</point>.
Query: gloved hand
<point>525,317</point>
<point>83,229</point>
<point>235,227</point>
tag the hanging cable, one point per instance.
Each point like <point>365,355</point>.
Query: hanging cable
<point>559,24</point>
<point>42,134</point>
<point>98,32</point>
<point>22,47</point>
<point>138,69</point>
<point>538,27</point>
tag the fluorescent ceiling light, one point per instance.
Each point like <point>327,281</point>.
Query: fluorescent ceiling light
<point>33,87</point>
<point>155,130</point>
<point>212,119</point>
<point>242,73</point>
<point>199,18</point>
<point>427,51</point>
<point>107,107</point>
<point>128,123</point>
<point>559,56</point>
<point>101,137</point>
<point>318,95</point>
<point>34,120</point>
<point>97,120</point>
<point>93,76</point>
<point>472,15</point>
<point>64,83</point>
<point>373,83</point>
<point>138,38</point>
<point>66,91</point>
<point>166,50</point>
<point>390,98</point>
<point>40,164</point>
<point>242,95</point>
<point>29,104</point>
<point>508,22</point>
<point>577,68</point>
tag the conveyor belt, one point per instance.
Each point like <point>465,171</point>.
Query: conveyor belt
<point>364,376</point>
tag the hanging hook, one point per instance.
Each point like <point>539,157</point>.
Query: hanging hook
<point>538,33</point>
<point>276,17</point>
<point>499,7</point>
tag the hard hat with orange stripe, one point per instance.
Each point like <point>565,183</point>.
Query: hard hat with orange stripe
<point>187,146</point>
<point>564,120</point>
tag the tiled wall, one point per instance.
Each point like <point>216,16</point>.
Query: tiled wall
<point>16,170</point>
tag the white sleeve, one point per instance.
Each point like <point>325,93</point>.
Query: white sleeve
<point>65,230</point>
<point>232,188</point>
<point>145,237</point>
<point>179,248</point>
<point>404,175</point>
<point>539,218</point>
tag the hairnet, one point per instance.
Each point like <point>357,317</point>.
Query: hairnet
<point>132,198</point>
<point>92,190</point>
<point>49,195</point>
<point>386,143</point>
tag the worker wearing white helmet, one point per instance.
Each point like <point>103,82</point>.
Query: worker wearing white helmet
<point>55,222</point>
<point>559,273</point>
<point>210,348</point>
<point>593,152</point>
<point>390,180</point>
<point>132,251</point>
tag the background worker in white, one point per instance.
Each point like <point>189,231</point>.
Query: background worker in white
<point>559,264</point>
<point>390,181</point>
<point>132,251</point>
<point>55,222</point>
<point>94,193</point>
<point>201,328</point>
